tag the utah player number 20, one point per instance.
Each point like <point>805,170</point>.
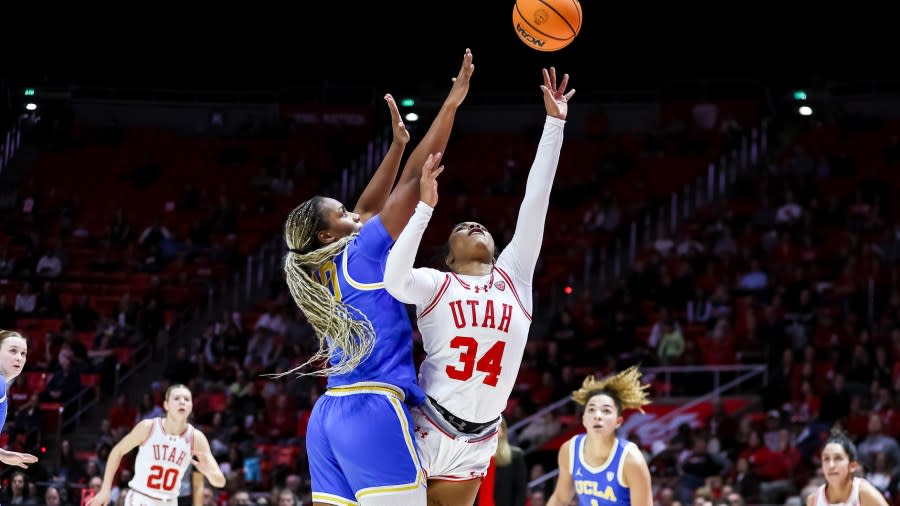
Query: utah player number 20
<point>161,478</point>
<point>488,363</point>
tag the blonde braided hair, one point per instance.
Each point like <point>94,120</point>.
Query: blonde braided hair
<point>344,332</point>
<point>624,388</point>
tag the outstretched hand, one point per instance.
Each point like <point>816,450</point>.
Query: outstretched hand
<point>461,82</point>
<point>428,187</point>
<point>401,135</point>
<point>18,459</point>
<point>556,100</point>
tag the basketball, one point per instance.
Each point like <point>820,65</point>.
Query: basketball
<point>547,25</point>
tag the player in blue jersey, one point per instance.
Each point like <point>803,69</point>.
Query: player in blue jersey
<point>360,439</point>
<point>13,350</point>
<point>598,467</point>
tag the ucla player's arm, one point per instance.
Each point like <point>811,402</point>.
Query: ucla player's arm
<point>376,192</point>
<point>637,478</point>
<point>565,487</point>
<point>204,461</point>
<point>811,498</point>
<point>399,206</point>
<point>408,285</point>
<point>131,441</point>
<point>17,459</point>
<point>868,495</point>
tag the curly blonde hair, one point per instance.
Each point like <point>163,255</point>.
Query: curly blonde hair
<point>624,388</point>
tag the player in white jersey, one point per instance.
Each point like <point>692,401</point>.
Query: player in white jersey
<point>842,488</point>
<point>166,448</point>
<point>474,319</point>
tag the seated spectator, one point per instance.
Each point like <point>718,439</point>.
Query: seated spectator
<point>50,265</point>
<point>26,300</point>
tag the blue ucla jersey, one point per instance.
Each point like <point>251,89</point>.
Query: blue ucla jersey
<point>599,486</point>
<point>356,277</point>
<point>4,403</point>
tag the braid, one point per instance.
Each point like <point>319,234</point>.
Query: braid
<point>343,331</point>
<point>624,388</point>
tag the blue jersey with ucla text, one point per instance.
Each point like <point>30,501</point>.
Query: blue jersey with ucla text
<point>599,486</point>
<point>356,277</point>
<point>4,402</point>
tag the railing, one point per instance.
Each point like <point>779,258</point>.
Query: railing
<point>747,373</point>
<point>741,373</point>
<point>140,356</point>
<point>354,178</point>
<point>244,284</point>
<point>605,267</point>
<point>11,141</point>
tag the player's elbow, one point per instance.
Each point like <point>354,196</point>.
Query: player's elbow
<point>390,282</point>
<point>396,291</point>
<point>116,453</point>
<point>394,281</point>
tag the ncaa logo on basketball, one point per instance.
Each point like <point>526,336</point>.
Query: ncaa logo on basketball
<point>531,39</point>
<point>540,16</point>
<point>500,285</point>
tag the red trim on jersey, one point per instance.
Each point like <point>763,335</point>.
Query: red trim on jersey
<point>515,292</point>
<point>150,496</point>
<point>183,434</point>
<point>463,283</point>
<point>436,426</point>
<point>152,425</point>
<point>456,478</point>
<point>437,297</point>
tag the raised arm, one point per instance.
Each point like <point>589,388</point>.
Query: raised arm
<point>522,252</point>
<point>565,487</point>
<point>401,280</point>
<point>399,206</point>
<point>131,441</point>
<point>376,193</point>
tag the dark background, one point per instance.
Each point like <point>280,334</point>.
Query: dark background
<point>409,47</point>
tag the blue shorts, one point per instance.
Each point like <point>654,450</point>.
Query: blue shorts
<point>360,441</point>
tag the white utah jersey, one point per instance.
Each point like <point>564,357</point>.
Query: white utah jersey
<point>474,328</point>
<point>474,333</point>
<point>162,461</point>
<point>852,499</point>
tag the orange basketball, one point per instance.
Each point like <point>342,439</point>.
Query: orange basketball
<point>547,25</point>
